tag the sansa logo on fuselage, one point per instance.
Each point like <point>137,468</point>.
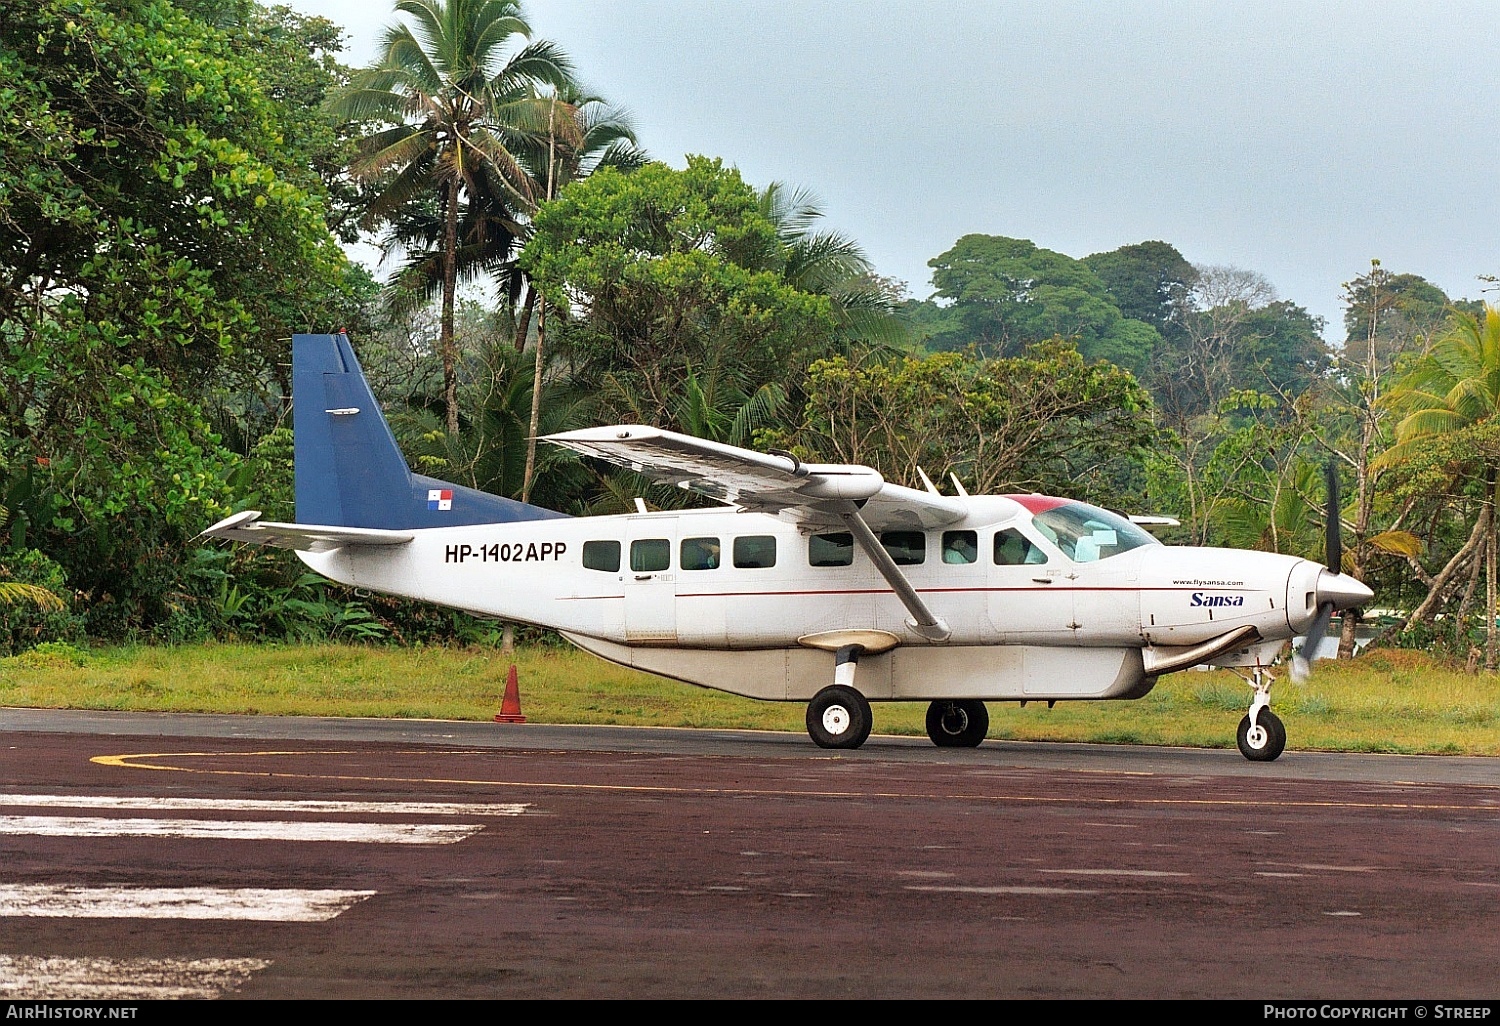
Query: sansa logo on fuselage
<point>1200,599</point>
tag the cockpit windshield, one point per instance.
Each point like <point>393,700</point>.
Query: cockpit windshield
<point>1087,533</point>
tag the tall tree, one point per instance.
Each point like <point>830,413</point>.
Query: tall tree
<point>456,92</point>
<point>1010,293</point>
<point>158,233</point>
<point>659,269</point>
<point>1148,281</point>
<point>829,263</point>
<point>1454,390</point>
<point>1404,308</point>
<point>1046,419</point>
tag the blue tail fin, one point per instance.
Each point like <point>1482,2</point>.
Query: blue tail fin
<point>350,473</point>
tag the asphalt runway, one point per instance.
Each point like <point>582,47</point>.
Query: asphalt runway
<point>254,857</point>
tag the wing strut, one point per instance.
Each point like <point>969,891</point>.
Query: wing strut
<point>923,620</point>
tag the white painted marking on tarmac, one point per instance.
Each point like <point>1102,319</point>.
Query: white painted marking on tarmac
<point>1322,867</point>
<point>930,874</point>
<point>1000,890</point>
<point>37,977</point>
<point>239,830</point>
<point>1112,872</point>
<point>87,801</point>
<point>1354,914</point>
<point>258,904</point>
<point>1288,876</point>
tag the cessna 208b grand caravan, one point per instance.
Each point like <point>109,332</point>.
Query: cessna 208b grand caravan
<point>816,583</point>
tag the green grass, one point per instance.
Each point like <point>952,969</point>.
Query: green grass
<point>1383,702</point>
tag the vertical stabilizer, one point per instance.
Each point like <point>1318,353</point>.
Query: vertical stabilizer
<point>350,472</point>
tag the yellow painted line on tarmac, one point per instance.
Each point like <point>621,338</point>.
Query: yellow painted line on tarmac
<point>130,761</point>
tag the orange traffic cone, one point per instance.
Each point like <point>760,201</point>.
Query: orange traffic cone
<point>510,708</point>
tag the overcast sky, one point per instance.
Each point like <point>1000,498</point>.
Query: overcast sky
<point>1299,140</point>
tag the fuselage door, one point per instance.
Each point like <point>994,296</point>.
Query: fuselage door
<point>650,578</point>
<point>1031,590</point>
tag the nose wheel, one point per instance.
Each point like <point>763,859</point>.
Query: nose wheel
<point>1261,736</point>
<point>1262,740</point>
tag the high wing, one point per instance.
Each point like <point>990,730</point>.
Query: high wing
<point>818,494</point>
<point>845,496</point>
<point>248,527</point>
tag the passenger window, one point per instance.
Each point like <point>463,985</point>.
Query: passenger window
<point>1012,548</point>
<point>648,555</point>
<point>602,555</point>
<point>960,546</point>
<point>699,554</point>
<point>755,552</point>
<point>907,548</point>
<point>830,550</point>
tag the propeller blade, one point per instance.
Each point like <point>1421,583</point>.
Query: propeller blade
<point>1333,544</point>
<point>1302,661</point>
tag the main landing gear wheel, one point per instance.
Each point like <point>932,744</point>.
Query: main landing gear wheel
<point>1264,741</point>
<point>838,717</point>
<point>957,723</point>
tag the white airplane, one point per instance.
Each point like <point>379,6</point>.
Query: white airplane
<point>816,583</point>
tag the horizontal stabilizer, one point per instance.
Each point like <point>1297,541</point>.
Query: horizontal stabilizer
<point>248,527</point>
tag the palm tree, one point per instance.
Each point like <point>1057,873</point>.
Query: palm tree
<point>829,263</point>
<point>457,97</point>
<point>597,135</point>
<point>491,230</point>
<point>19,592</point>
<point>490,454</point>
<point>1451,391</point>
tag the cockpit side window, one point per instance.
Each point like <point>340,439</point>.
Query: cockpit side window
<point>1012,548</point>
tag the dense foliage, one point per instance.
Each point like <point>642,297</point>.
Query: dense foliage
<point>176,178</point>
<point>158,236</point>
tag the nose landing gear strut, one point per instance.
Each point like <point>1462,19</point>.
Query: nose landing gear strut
<point>1261,736</point>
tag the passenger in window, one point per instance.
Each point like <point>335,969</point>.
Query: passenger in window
<point>960,546</point>
<point>835,549</point>
<point>700,554</point>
